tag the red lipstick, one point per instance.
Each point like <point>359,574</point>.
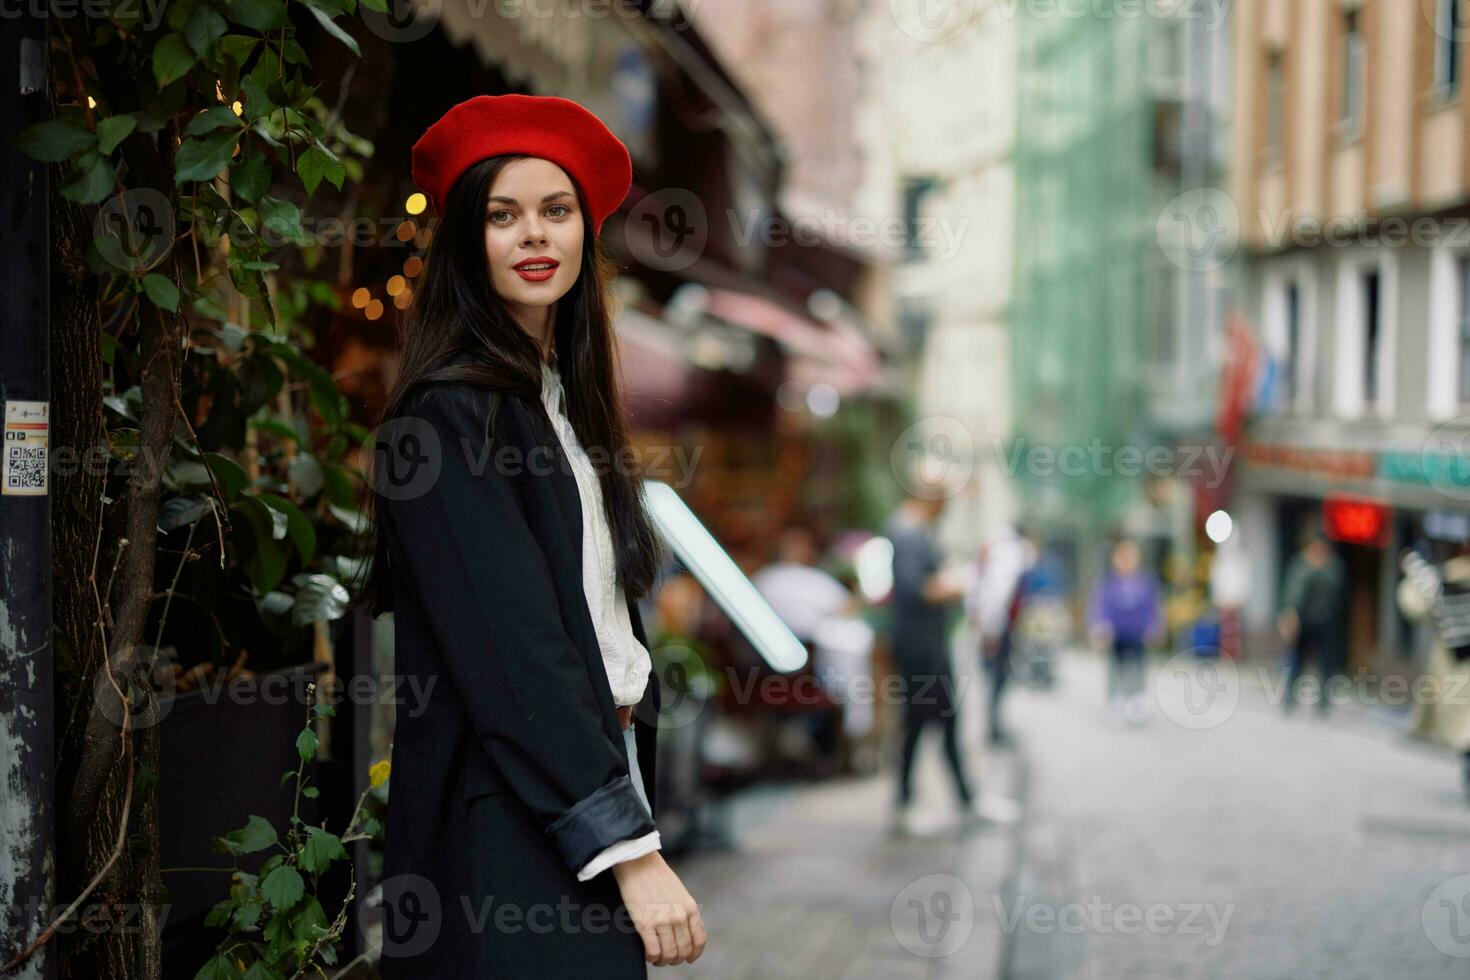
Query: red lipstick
<point>538,268</point>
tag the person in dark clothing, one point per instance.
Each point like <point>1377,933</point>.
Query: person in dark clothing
<point>1311,616</point>
<point>923,596</point>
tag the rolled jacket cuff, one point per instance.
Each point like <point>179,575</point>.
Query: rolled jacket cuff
<point>610,814</point>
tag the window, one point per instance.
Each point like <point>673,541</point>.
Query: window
<point>1449,23</point>
<point>1275,103</point>
<point>1291,367</point>
<point>1462,326</point>
<point>1352,72</point>
<point>1371,336</point>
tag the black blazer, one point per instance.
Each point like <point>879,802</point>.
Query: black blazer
<point>513,773</point>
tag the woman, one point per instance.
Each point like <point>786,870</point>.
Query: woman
<point>1126,617</point>
<point>511,543</point>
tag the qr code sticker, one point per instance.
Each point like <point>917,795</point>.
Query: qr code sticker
<point>25,468</point>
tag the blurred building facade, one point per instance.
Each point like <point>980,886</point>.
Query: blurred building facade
<point>1117,319</point>
<point>937,126</point>
<point>1351,175</point>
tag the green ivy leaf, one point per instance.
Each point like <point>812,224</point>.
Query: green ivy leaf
<point>306,744</point>
<point>215,117</point>
<point>283,887</point>
<point>381,6</point>
<point>281,220</point>
<point>256,835</point>
<point>298,527</point>
<point>93,182</point>
<point>262,15</point>
<point>162,291</point>
<point>218,967</point>
<point>55,140</point>
<point>320,850</point>
<point>202,159</point>
<point>261,970</point>
<point>112,130</point>
<point>205,27</point>
<point>251,175</point>
<point>172,59</point>
<point>324,18</point>
<point>317,163</point>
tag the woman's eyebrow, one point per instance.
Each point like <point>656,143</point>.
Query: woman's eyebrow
<point>549,197</point>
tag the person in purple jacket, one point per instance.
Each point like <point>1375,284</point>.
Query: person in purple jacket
<point>1126,616</point>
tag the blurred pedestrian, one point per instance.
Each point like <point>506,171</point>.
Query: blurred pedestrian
<point>805,598</point>
<point>994,607</point>
<point>1126,617</point>
<point>1442,595</point>
<point>924,593</point>
<point>1311,617</point>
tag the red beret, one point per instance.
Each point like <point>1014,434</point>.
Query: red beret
<point>543,126</point>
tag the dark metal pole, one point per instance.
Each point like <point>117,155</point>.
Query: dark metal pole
<point>27,755</point>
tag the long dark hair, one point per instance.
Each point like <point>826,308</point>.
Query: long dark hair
<point>455,312</point>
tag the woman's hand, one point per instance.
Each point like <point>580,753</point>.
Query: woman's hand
<point>662,910</point>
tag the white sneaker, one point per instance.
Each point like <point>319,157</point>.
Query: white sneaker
<point>1136,710</point>
<point>996,809</point>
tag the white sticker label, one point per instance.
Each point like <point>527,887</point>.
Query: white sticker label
<point>27,433</point>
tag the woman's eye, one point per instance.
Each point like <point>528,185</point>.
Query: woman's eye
<point>561,208</point>
<point>499,217</point>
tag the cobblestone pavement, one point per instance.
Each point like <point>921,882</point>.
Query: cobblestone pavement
<point>1225,840</point>
<point>816,888</point>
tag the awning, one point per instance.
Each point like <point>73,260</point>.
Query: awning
<point>836,354</point>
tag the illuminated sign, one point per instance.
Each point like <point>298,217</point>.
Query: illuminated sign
<point>1356,520</point>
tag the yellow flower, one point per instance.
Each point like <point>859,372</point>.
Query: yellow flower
<point>378,773</point>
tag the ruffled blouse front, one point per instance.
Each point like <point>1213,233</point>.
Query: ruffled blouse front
<point>626,660</point>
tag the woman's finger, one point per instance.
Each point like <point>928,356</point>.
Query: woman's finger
<point>697,934</point>
<point>669,947</point>
<point>681,937</point>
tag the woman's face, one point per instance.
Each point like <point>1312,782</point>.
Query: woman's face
<point>533,236</point>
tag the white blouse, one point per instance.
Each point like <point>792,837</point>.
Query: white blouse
<point>626,660</point>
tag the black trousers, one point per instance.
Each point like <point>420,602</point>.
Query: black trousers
<point>1313,645</point>
<point>929,703</point>
<point>999,669</point>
